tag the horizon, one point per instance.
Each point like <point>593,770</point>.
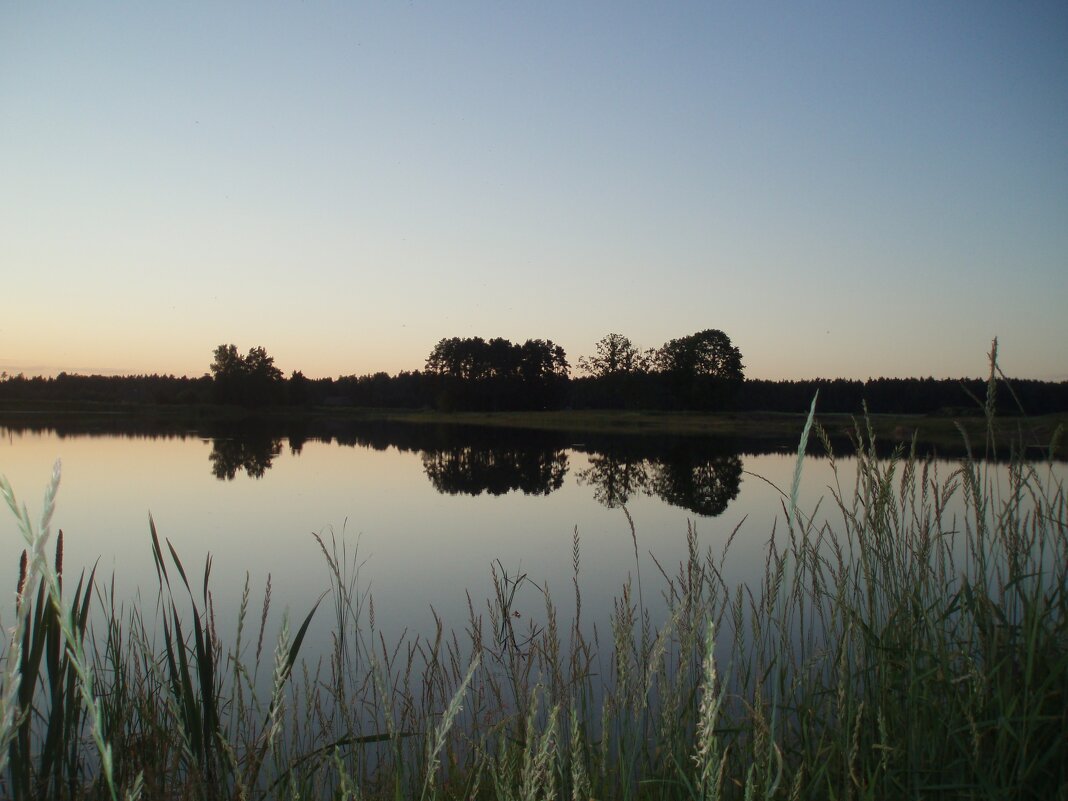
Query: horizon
<point>843,190</point>
<point>574,369</point>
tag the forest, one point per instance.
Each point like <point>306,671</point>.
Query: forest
<point>699,372</point>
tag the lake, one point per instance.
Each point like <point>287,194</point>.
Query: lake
<point>427,510</point>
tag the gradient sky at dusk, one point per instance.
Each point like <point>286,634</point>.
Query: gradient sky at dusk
<point>847,189</point>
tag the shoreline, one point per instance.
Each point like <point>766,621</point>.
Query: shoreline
<point>1037,433</point>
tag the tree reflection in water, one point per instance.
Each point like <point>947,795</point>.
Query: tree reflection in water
<point>704,486</point>
<point>615,479</point>
<point>702,476</point>
<point>704,483</point>
<point>251,453</point>
<point>472,470</point>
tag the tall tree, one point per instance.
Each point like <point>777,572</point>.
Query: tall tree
<point>227,362</point>
<point>615,354</point>
<point>543,373</point>
<point>708,353</point>
<point>704,369</point>
<point>250,380</point>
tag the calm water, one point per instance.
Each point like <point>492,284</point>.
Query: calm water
<point>427,509</point>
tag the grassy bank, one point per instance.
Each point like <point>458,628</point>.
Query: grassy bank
<point>894,648</point>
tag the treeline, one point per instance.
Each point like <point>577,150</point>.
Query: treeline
<point>104,389</point>
<point>703,371</point>
<point>417,390</point>
<point>947,396</point>
<point>406,389</point>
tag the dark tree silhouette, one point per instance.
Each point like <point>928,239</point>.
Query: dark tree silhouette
<point>701,371</point>
<point>250,380</point>
<point>706,353</point>
<point>298,389</point>
<point>704,370</point>
<point>618,376</point>
<point>616,354</point>
<point>475,374</point>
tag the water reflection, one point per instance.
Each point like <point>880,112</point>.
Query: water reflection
<point>615,479</point>
<point>253,456</point>
<point>471,470</point>
<point>700,475</point>
<point>693,474</point>
<point>704,486</point>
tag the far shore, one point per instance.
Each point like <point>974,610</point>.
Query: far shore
<point>1036,433</point>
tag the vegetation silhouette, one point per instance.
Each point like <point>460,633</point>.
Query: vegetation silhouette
<point>702,371</point>
<point>617,355</point>
<point>249,381</point>
<point>474,373</point>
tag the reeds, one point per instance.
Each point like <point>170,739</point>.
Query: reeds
<point>911,641</point>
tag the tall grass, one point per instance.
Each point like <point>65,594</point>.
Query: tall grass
<point>908,638</point>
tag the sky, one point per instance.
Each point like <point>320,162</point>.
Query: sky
<point>845,189</point>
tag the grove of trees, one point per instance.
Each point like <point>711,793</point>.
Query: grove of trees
<point>250,380</point>
<point>700,371</point>
<point>474,373</point>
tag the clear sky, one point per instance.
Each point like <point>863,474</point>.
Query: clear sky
<point>846,189</point>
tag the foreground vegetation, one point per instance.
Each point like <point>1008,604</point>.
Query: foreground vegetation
<point>908,640</point>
